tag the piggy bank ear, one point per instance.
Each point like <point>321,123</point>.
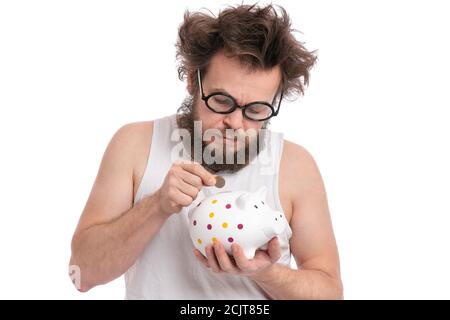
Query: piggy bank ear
<point>242,200</point>
<point>261,193</point>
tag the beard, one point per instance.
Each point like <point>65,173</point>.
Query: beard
<point>186,118</point>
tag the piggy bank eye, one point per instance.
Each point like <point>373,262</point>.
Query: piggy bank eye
<point>262,202</point>
<point>256,206</point>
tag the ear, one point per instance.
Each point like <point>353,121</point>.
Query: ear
<point>242,200</point>
<point>191,78</point>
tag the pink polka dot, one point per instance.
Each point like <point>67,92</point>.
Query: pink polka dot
<point>209,227</point>
<point>195,222</point>
<point>228,206</point>
<point>240,226</point>
<point>230,239</point>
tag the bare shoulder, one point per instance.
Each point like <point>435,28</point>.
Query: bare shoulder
<point>292,151</point>
<point>299,175</point>
<point>134,133</point>
<point>298,162</point>
<point>131,144</point>
<point>137,138</point>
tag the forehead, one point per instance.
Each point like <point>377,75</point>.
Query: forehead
<point>229,74</point>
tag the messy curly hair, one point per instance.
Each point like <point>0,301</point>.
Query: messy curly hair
<point>260,37</point>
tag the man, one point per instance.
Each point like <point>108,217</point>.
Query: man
<point>238,67</point>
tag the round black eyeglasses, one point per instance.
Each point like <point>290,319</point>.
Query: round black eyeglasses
<point>223,103</point>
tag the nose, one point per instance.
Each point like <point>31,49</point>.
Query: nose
<point>279,223</point>
<point>235,119</point>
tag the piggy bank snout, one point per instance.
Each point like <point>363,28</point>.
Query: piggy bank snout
<point>279,224</point>
<point>274,224</point>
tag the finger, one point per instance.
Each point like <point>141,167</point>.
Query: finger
<point>187,189</point>
<point>241,260</point>
<point>201,258</point>
<point>212,261</point>
<point>198,170</point>
<point>262,256</point>
<point>180,198</point>
<point>274,250</point>
<point>192,179</point>
<point>223,258</point>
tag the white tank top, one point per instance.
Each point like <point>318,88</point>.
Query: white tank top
<point>168,268</point>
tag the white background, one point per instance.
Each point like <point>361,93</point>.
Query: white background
<point>375,118</point>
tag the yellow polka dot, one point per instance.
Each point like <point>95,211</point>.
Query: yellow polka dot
<point>214,201</point>
<point>225,225</point>
<point>214,239</point>
<point>211,214</point>
<point>199,241</point>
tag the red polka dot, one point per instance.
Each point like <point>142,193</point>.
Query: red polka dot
<point>228,206</point>
<point>195,222</point>
<point>230,239</point>
<point>240,226</point>
<point>209,227</point>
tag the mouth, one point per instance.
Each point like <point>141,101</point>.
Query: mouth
<point>225,139</point>
<point>232,140</point>
<point>228,141</point>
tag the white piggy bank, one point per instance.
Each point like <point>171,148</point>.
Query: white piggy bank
<point>235,217</point>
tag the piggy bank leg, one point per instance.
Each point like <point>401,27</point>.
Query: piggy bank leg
<point>202,250</point>
<point>264,247</point>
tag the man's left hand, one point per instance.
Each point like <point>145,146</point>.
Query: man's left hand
<point>219,261</point>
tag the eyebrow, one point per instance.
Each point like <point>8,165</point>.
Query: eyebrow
<point>214,90</point>
<point>219,90</point>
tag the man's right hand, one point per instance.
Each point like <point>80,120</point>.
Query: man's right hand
<point>182,184</point>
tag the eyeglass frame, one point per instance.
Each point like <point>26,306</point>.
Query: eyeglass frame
<point>236,105</point>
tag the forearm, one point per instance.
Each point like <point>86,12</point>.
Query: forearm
<point>284,283</point>
<point>105,251</point>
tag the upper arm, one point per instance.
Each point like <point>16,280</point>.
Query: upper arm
<point>312,244</point>
<point>112,192</point>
